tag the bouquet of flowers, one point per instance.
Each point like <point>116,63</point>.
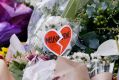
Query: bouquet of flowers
<point>88,25</point>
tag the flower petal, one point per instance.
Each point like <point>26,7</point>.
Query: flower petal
<point>3,25</point>
<point>7,33</point>
<point>4,15</point>
<point>14,19</point>
<point>9,2</point>
<point>22,9</point>
<point>9,9</point>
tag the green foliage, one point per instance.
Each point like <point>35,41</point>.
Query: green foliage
<point>100,19</point>
<point>72,8</point>
<point>87,42</point>
<point>17,66</point>
<point>17,69</point>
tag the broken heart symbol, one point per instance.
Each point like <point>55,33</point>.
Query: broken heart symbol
<point>58,41</point>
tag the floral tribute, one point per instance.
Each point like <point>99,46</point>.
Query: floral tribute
<point>93,24</point>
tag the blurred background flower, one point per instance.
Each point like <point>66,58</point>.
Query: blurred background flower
<point>3,52</point>
<point>14,19</point>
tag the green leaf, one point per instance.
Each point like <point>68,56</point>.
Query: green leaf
<point>91,40</point>
<point>17,73</point>
<point>89,50</point>
<point>17,69</point>
<point>72,8</point>
<point>89,35</point>
<point>93,43</point>
<point>81,3</point>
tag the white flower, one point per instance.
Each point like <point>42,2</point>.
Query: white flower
<point>94,55</point>
<point>67,57</point>
<point>37,52</point>
<point>81,57</point>
<point>57,21</point>
<point>75,55</point>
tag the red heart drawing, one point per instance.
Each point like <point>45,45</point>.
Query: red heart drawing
<point>58,41</point>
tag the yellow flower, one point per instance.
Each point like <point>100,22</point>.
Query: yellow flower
<point>2,53</point>
<point>4,49</point>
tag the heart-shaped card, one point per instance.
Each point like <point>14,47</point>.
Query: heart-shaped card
<point>58,41</point>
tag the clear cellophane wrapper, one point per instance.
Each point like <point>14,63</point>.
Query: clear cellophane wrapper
<point>61,69</point>
<point>102,69</point>
<point>42,20</point>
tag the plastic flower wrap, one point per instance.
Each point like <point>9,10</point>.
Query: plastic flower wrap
<point>21,61</point>
<point>14,18</point>
<point>99,67</point>
<point>45,17</point>
<point>40,13</point>
<point>39,70</point>
<point>102,67</point>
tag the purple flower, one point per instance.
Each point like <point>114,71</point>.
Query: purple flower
<point>14,19</point>
<point>30,57</point>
